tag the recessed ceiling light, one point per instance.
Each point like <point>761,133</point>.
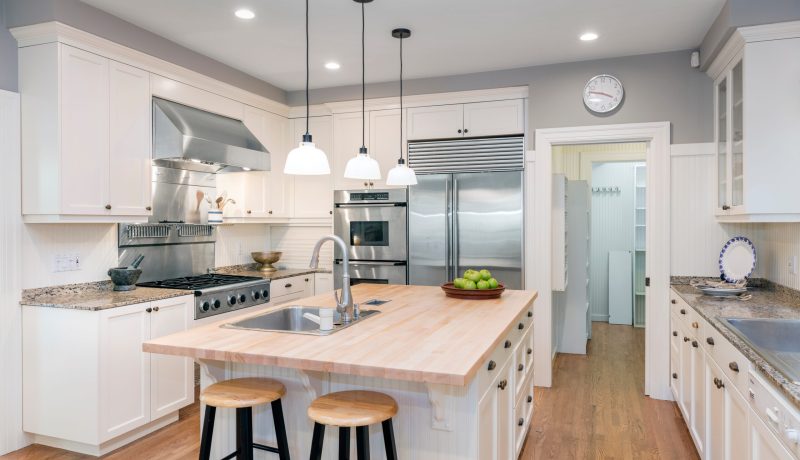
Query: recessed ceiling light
<point>332,65</point>
<point>589,36</point>
<point>244,13</point>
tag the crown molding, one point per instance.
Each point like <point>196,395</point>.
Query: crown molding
<point>751,34</point>
<point>424,100</point>
<point>54,31</point>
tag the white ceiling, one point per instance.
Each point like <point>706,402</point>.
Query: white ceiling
<point>449,37</point>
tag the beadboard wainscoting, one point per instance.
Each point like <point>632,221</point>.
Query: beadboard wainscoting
<point>296,243</point>
<point>11,434</point>
<point>236,242</point>
<point>775,244</point>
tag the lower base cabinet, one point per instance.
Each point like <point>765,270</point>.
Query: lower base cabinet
<point>89,387</point>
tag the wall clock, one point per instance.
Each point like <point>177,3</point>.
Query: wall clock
<point>603,94</point>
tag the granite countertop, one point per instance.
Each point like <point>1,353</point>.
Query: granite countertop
<point>252,270</point>
<point>769,301</point>
<point>93,296</point>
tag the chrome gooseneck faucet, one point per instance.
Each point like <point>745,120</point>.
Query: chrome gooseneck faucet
<point>344,305</point>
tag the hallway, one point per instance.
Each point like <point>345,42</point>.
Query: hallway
<point>595,408</point>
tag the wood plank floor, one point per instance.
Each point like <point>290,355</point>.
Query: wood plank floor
<point>595,410</point>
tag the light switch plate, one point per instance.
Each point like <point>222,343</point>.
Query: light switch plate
<point>66,262</point>
<point>792,265</point>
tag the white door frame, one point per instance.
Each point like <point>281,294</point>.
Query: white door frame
<point>657,246</point>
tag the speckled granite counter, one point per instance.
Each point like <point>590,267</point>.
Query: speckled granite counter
<point>93,296</point>
<point>769,301</point>
<point>252,270</point>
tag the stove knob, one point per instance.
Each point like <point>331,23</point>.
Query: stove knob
<point>232,300</point>
<point>215,304</point>
<point>265,293</point>
<point>242,298</point>
<point>205,306</point>
<point>256,295</point>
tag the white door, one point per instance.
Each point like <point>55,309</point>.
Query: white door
<point>436,122</point>
<point>129,135</point>
<point>84,132</point>
<point>124,370</point>
<point>494,118</point>
<point>385,141</point>
<point>171,377</point>
<point>764,445</point>
<point>313,195</point>
<point>346,144</point>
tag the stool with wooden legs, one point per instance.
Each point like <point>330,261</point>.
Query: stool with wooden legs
<point>243,395</point>
<point>353,409</point>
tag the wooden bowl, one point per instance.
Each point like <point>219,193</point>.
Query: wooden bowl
<point>472,294</point>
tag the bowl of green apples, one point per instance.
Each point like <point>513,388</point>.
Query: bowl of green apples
<point>475,284</point>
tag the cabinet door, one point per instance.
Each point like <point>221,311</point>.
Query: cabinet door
<point>675,360</point>
<point>308,285</point>
<point>84,132</point>
<point>313,195</point>
<point>715,410</point>
<point>346,142</point>
<point>385,142</point>
<point>124,370</point>
<point>171,377</point>
<point>505,414</point>
<point>436,122</point>
<point>763,444</point>
<point>737,138</point>
<point>736,422</point>
<point>494,118</point>
<point>487,425</point>
<point>698,420</point>
<point>727,428</point>
<point>265,191</point>
<point>129,135</point>
<point>685,403</point>
<point>721,139</point>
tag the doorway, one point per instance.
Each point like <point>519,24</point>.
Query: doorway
<point>539,257</point>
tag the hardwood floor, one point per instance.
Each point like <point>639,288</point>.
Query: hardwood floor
<point>596,408</point>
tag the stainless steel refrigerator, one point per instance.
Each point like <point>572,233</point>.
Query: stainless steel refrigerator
<point>460,220</point>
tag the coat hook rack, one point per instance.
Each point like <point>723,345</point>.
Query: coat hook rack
<point>606,189</point>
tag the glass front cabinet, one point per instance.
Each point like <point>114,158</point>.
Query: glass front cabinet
<point>729,138</point>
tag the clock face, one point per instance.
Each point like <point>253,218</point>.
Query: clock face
<point>603,93</point>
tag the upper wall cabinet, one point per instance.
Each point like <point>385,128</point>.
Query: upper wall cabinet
<point>494,118</point>
<point>85,137</point>
<point>755,125</point>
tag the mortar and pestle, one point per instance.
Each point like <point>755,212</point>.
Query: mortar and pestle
<point>124,278</point>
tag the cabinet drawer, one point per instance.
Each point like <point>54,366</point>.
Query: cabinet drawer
<point>735,366</point>
<point>679,307</point>
<point>504,351</point>
<point>286,286</point>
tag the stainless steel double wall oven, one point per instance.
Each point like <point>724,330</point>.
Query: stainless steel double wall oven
<point>374,224</point>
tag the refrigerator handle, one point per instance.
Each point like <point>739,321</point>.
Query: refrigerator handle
<point>448,231</point>
<point>455,237</point>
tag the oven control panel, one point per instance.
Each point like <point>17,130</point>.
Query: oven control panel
<point>230,298</point>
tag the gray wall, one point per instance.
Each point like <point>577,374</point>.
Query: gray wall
<point>95,21</point>
<point>658,87</point>
<point>8,55</point>
<point>739,13</point>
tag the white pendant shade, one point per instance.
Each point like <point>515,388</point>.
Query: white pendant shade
<point>401,175</point>
<point>307,160</point>
<point>362,166</point>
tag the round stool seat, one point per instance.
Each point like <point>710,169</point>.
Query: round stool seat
<point>241,393</point>
<point>352,408</point>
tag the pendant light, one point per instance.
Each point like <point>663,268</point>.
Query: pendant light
<point>362,166</point>
<point>401,174</point>
<point>307,159</point>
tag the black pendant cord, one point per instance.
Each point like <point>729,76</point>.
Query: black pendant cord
<point>308,61</point>
<point>401,101</point>
<point>363,84</point>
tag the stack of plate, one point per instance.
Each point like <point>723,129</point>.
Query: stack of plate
<point>722,291</point>
<point>737,260</point>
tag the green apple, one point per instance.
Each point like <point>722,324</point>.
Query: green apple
<point>472,275</point>
<point>469,284</point>
<point>459,283</point>
<point>483,284</point>
<point>493,283</point>
<point>485,274</point>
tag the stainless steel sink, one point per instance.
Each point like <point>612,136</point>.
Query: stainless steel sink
<point>290,319</point>
<point>776,340</point>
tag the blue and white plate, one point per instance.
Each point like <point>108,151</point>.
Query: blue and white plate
<point>737,260</point>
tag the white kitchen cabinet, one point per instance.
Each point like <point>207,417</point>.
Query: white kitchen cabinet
<point>763,444</point>
<point>347,141</point>
<point>308,285</point>
<point>495,433</point>
<point>728,417</point>
<point>386,139</point>
<point>89,386</point>
<point>754,125</point>
<point>85,136</point>
<point>492,118</point>
<point>323,282</point>
<point>313,195</point>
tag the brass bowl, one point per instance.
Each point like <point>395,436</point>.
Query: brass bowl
<point>266,259</point>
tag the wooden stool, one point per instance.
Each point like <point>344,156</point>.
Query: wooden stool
<point>242,395</point>
<point>347,409</point>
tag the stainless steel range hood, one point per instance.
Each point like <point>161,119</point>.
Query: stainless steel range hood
<point>188,138</point>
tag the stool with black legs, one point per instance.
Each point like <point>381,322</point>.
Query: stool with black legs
<point>243,395</point>
<point>353,409</point>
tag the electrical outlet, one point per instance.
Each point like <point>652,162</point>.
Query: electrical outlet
<point>792,265</point>
<point>66,262</point>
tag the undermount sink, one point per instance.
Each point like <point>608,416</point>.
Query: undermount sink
<point>776,340</point>
<point>290,319</point>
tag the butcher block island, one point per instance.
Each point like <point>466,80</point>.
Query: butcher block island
<point>460,371</point>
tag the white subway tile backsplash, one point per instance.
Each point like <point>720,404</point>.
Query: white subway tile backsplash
<point>296,243</point>
<point>236,242</point>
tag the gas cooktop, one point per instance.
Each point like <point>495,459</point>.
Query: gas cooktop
<point>215,294</point>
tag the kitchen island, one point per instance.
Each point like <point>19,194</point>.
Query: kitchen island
<point>460,371</point>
